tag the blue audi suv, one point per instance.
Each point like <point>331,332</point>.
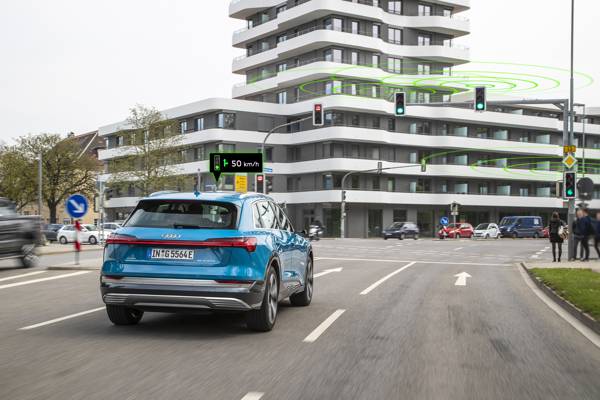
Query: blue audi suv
<point>206,252</point>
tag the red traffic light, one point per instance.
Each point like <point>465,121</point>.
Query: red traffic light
<point>260,178</point>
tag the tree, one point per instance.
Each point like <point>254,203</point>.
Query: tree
<point>18,177</point>
<point>66,169</point>
<point>150,153</point>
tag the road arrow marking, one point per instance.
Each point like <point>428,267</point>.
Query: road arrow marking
<point>79,208</point>
<point>328,271</point>
<point>461,279</point>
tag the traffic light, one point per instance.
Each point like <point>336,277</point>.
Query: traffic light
<point>585,188</point>
<point>259,182</point>
<point>400,104</point>
<point>318,119</point>
<point>480,102</point>
<point>570,185</point>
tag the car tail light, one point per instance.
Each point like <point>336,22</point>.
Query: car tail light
<point>248,243</point>
<point>115,238</point>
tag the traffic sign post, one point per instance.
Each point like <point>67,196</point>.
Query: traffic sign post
<point>77,206</point>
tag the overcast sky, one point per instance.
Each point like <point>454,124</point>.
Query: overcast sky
<point>74,65</point>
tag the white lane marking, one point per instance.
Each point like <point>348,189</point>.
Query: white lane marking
<point>575,323</point>
<point>458,248</point>
<point>461,279</point>
<point>21,276</point>
<point>253,396</point>
<point>55,320</point>
<point>385,278</point>
<point>314,335</point>
<point>535,256</point>
<point>418,261</point>
<point>51,278</point>
<point>328,271</point>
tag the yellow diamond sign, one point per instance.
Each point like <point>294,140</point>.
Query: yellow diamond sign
<point>569,161</point>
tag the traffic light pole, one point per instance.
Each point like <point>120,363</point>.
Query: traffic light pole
<point>272,131</point>
<point>343,203</point>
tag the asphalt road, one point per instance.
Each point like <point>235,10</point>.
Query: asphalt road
<point>387,322</point>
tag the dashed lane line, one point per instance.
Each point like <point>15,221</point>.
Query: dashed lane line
<point>314,335</point>
<point>253,396</point>
<point>55,320</point>
<point>51,278</point>
<point>10,278</point>
<point>385,278</point>
<point>416,261</point>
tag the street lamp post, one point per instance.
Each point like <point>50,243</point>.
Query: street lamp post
<point>570,138</point>
<point>272,131</point>
<point>40,185</point>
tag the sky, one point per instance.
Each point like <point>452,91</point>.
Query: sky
<point>75,65</point>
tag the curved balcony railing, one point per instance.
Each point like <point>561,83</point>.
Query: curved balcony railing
<point>362,2</point>
<point>345,30</point>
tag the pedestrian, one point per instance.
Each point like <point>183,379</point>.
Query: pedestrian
<point>555,229</point>
<point>583,228</point>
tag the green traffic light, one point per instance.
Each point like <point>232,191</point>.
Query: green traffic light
<point>569,192</point>
<point>480,106</point>
<point>400,110</point>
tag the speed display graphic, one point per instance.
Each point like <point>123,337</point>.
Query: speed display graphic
<point>231,163</point>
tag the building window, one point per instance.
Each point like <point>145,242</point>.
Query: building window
<point>500,134</point>
<point>333,55</point>
<point>524,192</point>
<point>447,12</point>
<point>281,9</point>
<point>225,148</point>
<point>199,153</point>
<point>424,40</point>
<point>461,188</point>
<point>412,157</point>
<point>353,89</point>
<point>376,183</point>
<point>461,160</point>
<point>483,188</point>
<point>120,141</point>
<point>391,184</point>
<point>395,7</point>
<point>392,125</point>
<point>376,30</point>
<point>333,24</point>
<point>355,182</point>
<point>355,27</point>
<point>395,35</point>
<point>297,94</point>
<point>281,38</point>
<point>503,190</point>
<point>281,67</point>
<point>395,65</point>
<point>282,97</point>
<point>420,128</point>
<point>424,10</point>
<point>334,87</point>
<point>183,125</point>
<point>354,58</point>
<point>328,182</point>
<point>200,124</point>
<point>226,120</point>
<point>375,60</point>
<point>423,69</point>
<point>354,120</point>
<point>461,131</point>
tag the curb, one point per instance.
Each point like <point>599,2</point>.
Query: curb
<point>581,316</point>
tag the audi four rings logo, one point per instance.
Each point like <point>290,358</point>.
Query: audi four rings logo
<point>170,236</point>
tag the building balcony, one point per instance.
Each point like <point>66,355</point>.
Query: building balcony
<point>242,9</point>
<point>453,25</point>
<point>319,37</point>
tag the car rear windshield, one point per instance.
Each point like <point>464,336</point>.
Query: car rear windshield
<point>183,215</point>
<point>481,227</point>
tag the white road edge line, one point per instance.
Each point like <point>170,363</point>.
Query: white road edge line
<point>43,279</point>
<point>574,322</point>
<point>458,248</point>
<point>328,271</point>
<point>385,278</point>
<point>55,320</point>
<point>9,278</point>
<point>418,261</point>
<point>253,396</point>
<point>314,335</point>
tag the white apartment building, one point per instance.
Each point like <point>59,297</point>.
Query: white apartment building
<point>352,56</point>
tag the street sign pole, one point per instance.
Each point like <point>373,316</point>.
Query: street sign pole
<point>77,206</point>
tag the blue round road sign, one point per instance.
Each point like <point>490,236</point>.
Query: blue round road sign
<point>77,206</point>
<point>444,221</point>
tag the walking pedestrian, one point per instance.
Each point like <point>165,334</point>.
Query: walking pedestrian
<point>577,233</point>
<point>586,229</point>
<point>555,230</point>
<point>597,234</point>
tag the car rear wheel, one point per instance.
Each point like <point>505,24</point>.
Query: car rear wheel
<point>63,240</point>
<point>263,319</point>
<point>303,298</point>
<point>121,315</point>
<point>93,240</point>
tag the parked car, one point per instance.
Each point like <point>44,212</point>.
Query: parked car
<point>216,251</point>
<point>106,229</point>
<point>68,234</point>
<point>486,231</point>
<point>456,231</point>
<point>19,235</point>
<point>401,230</point>
<point>520,227</point>
<point>49,232</point>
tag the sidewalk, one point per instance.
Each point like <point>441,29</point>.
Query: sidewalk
<point>593,264</point>
<point>56,248</point>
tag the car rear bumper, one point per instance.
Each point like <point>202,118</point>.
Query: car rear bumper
<point>181,294</point>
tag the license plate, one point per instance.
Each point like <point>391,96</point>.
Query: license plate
<point>172,254</point>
